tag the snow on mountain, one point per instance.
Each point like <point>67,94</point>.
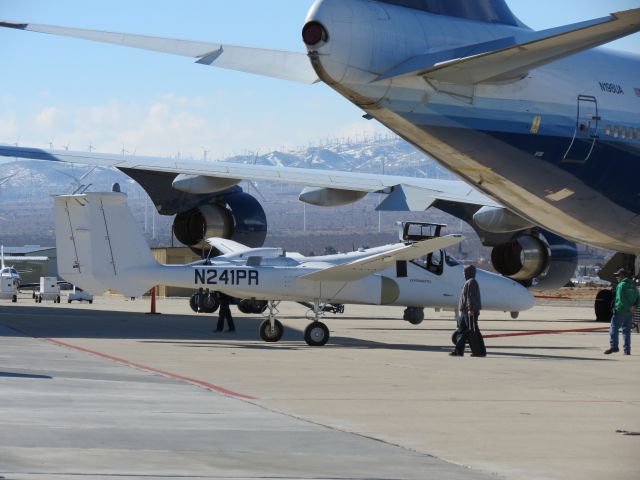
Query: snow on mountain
<point>394,156</point>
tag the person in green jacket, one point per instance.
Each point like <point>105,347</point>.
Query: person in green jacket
<point>627,300</point>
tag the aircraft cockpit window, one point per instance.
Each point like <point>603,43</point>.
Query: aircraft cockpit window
<point>492,11</point>
<point>279,262</point>
<point>452,262</point>
<point>432,262</point>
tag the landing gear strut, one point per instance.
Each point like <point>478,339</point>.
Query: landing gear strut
<point>271,330</point>
<point>317,333</point>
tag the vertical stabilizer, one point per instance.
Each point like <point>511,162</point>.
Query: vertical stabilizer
<point>100,246</point>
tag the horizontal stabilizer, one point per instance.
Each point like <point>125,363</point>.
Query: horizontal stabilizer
<point>294,66</point>
<point>511,58</point>
<point>227,246</point>
<point>366,266</point>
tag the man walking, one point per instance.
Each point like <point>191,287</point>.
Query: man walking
<point>469,307</point>
<point>626,301</point>
<point>225,313</point>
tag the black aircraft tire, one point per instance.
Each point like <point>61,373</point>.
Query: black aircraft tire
<point>602,305</point>
<point>271,335</point>
<point>316,334</point>
<point>192,303</point>
<point>250,307</point>
<point>453,336</point>
<point>413,315</point>
<point>210,303</point>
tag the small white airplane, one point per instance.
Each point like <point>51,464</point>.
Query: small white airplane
<point>100,247</point>
<point>10,281</point>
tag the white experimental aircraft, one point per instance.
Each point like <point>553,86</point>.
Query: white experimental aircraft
<point>10,280</point>
<point>100,247</point>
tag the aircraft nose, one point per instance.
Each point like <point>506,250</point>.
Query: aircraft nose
<point>504,293</point>
<point>525,297</point>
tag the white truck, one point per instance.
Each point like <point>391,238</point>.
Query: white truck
<point>49,290</point>
<point>8,288</point>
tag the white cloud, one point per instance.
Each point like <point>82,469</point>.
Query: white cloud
<point>9,127</point>
<point>169,124</point>
<point>47,118</point>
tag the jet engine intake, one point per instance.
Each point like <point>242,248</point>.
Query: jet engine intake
<point>237,216</point>
<point>538,260</point>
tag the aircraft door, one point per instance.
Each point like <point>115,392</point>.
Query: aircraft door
<point>586,131</point>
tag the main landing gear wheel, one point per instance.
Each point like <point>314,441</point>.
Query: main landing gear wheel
<point>453,337</point>
<point>603,304</point>
<point>14,299</point>
<point>414,315</point>
<point>316,334</point>
<point>515,315</point>
<point>271,334</point>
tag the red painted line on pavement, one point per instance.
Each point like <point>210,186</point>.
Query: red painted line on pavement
<point>210,386</point>
<point>546,332</point>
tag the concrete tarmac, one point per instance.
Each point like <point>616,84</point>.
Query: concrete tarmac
<point>102,391</point>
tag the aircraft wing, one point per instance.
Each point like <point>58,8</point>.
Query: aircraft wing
<point>513,57</point>
<point>294,66</point>
<point>404,193</point>
<point>375,263</point>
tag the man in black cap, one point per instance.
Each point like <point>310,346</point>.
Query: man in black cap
<point>627,300</point>
<point>469,307</point>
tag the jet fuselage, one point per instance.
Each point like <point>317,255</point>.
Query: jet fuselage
<point>559,146</point>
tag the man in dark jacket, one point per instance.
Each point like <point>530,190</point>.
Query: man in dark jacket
<point>469,307</point>
<point>626,302</point>
<point>225,313</point>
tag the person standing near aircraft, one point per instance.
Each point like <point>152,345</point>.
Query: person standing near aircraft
<point>626,302</point>
<point>225,313</point>
<point>469,307</point>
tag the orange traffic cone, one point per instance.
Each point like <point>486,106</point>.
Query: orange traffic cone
<point>153,303</point>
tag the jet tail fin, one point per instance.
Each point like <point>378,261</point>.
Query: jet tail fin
<point>100,246</point>
<point>513,57</point>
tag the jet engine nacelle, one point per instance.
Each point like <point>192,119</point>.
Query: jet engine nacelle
<point>542,261</point>
<point>237,216</point>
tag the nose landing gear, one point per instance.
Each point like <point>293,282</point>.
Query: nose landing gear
<point>271,329</point>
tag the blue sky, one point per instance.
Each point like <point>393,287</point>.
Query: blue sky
<point>72,92</point>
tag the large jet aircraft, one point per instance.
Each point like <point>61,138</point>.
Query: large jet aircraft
<point>542,122</point>
<point>100,247</point>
